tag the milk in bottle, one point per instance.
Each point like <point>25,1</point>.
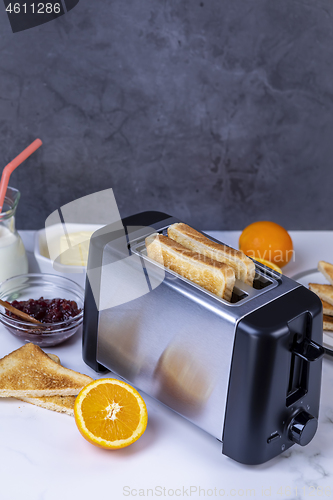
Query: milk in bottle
<point>13,259</point>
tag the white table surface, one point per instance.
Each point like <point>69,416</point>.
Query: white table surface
<point>43,456</point>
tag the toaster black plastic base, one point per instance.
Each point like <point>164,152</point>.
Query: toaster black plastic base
<point>270,382</point>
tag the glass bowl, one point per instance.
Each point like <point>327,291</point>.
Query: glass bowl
<point>48,286</point>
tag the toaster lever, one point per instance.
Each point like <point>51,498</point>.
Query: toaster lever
<point>308,350</point>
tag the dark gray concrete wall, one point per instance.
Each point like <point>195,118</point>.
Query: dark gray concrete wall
<point>219,112</point>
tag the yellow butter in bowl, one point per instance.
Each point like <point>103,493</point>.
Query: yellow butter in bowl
<point>74,248</point>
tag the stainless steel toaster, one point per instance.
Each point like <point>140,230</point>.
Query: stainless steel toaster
<point>246,371</point>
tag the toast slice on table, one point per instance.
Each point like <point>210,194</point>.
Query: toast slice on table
<point>325,292</point>
<point>328,323</point>
<point>326,269</point>
<point>214,276</point>
<point>62,404</point>
<point>29,372</point>
<point>327,308</point>
<point>243,266</point>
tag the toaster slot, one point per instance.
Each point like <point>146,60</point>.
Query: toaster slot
<point>237,295</point>
<point>265,278</point>
<point>261,281</point>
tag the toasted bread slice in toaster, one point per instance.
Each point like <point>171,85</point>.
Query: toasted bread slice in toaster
<point>214,276</point>
<point>327,308</point>
<point>29,372</point>
<point>325,292</point>
<point>326,269</point>
<point>328,323</point>
<point>243,266</point>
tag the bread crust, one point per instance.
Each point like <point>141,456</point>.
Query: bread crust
<point>216,277</point>
<point>243,266</point>
<point>61,404</point>
<point>326,269</point>
<point>29,372</point>
<point>324,292</point>
<point>327,323</point>
<point>327,308</point>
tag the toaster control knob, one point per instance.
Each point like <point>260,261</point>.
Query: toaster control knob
<point>302,428</point>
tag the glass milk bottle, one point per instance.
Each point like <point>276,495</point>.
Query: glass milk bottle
<point>13,259</point>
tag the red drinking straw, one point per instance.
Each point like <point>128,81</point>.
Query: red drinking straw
<point>11,167</point>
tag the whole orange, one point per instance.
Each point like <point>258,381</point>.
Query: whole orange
<point>267,240</point>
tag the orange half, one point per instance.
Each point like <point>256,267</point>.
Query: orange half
<point>110,413</point>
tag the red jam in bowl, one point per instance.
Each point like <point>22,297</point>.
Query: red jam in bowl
<point>47,310</point>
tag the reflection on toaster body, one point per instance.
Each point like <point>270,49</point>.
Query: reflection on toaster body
<point>184,383</point>
<point>123,350</point>
<point>163,335</point>
<point>180,377</point>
